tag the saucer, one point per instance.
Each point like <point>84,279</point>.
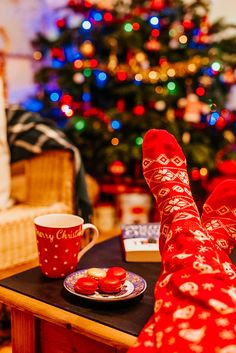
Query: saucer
<point>134,286</point>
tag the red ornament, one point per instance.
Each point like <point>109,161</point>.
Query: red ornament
<point>155,32</point>
<point>136,26</point>
<point>58,53</point>
<point>107,17</point>
<point>66,99</point>
<point>227,167</point>
<point>93,63</point>
<point>220,123</point>
<point>121,75</point>
<point>157,5</point>
<point>139,110</point>
<point>120,105</point>
<point>225,162</point>
<point>61,23</point>
<point>88,4</point>
<point>117,168</point>
<point>195,174</point>
<point>163,60</point>
<point>71,3</point>
<point>200,91</point>
<point>188,24</point>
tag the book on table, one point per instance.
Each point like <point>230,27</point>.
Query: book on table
<point>141,242</point>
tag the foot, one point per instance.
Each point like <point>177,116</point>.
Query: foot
<point>164,168</point>
<point>219,215</point>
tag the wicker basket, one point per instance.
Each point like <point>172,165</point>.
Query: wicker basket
<point>41,185</point>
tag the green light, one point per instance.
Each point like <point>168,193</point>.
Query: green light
<point>139,141</point>
<point>87,72</point>
<point>80,125</point>
<point>172,32</point>
<point>128,27</point>
<point>171,86</point>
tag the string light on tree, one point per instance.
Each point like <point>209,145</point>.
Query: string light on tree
<point>87,49</point>
<point>78,78</point>
<point>160,105</point>
<point>139,141</point>
<point>117,168</point>
<point>80,125</point>
<point>116,69</point>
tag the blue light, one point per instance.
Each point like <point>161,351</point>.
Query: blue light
<point>213,118</point>
<point>115,124</point>
<point>86,25</point>
<point>215,115</point>
<point>196,31</point>
<point>86,97</point>
<point>33,105</point>
<point>212,121</point>
<point>102,76</point>
<point>154,21</point>
<point>97,17</point>
<point>54,96</point>
<point>57,64</point>
<point>56,113</point>
<point>137,82</point>
<point>71,53</point>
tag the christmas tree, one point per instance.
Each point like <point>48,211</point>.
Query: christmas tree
<point>110,70</point>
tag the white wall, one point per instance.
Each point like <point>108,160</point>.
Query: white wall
<point>22,18</point>
<point>223,8</point>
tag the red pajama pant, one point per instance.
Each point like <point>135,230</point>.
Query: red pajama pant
<point>195,295</point>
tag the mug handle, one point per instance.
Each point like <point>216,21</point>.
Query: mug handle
<point>92,242</point>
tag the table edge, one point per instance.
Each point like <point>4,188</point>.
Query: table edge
<point>50,313</point>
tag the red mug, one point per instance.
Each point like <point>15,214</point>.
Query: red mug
<point>59,243</point>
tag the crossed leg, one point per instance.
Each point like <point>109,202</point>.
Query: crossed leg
<point>219,220</point>
<point>195,299</point>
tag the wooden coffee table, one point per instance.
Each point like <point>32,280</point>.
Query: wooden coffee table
<point>48,319</point>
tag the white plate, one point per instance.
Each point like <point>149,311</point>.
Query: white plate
<point>133,287</point>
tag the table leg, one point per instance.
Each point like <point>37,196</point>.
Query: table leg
<point>23,332</point>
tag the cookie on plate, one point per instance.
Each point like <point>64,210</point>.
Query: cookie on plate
<point>85,285</point>
<point>118,272</point>
<point>96,273</point>
<point>110,285</point>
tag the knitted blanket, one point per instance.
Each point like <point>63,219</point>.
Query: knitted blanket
<point>30,134</point>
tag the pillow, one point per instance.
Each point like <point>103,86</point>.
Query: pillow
<point>5,175</point>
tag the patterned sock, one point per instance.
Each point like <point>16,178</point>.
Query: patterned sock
<point>194,298</point>
<point>219,215</point>
<point>164,168</point>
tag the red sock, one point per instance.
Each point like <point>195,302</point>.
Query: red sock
<point>219,215</point>
<point>194,298</point>
<point>164,168</point>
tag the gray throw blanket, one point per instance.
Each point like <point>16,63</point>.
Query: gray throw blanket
<point>29,134</point>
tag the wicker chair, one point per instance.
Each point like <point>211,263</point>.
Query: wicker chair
<point>40,185</point>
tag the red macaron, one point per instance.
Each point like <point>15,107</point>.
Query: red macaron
<point>110,285</point>
<point>118,272</point>
<point>85,285</point>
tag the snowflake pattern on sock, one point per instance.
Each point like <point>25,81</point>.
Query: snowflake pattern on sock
<point>194,297</point>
